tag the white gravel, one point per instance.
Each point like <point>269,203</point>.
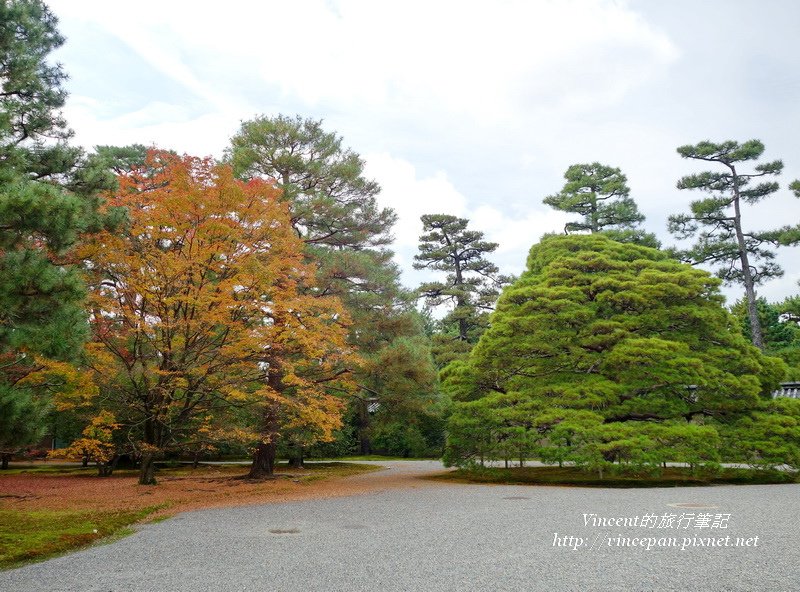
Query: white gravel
<point>437,537</point>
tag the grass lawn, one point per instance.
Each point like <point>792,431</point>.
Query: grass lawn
<point>46,509</point>
<point>671,477</point>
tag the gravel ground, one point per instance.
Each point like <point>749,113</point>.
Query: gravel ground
<point>433,536</point>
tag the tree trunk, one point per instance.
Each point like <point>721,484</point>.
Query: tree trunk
<point>263,466</point>
<point>296,457</point>
<point>106,469</point>
<point>747,276</point>
<point>364,445</point>
<point>752,308</point>
<point>264,456</point>
<point>147,471</point>
<point>4,458</point>
<point>463,328</point>
<point>594,225</point>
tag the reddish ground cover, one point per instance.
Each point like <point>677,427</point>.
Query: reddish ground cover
<point>43,513</point>
<point>189,489</point>
<point>204,487</point>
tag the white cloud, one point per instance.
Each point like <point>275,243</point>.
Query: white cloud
<point>411,196</point>
<point>157,124</point>
<point>471,108</point>
<point>412,59</point>
<point>516,234</point>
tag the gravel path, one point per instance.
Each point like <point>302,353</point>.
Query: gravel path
<point>408,534</point>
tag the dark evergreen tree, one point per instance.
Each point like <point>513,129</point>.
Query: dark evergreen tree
<point>471,285</point>
<point>600,194</point>
<point>779,327</point>
<point>122,160</point>
<point>607,355</point>
<point>47,200</point>
<point>739,256</point>
<point>407,421</point>
<point>777,332</point>
<point>334,210</point>
<point>332,204</point>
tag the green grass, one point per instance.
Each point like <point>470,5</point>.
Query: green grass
<point>671,477</point>
<point>57,469</point>
<point>33,536</point>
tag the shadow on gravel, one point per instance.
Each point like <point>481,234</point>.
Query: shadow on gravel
<point>573,477</point>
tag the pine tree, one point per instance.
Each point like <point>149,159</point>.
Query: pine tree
<point>334,210</point>
<point>590,358</point>
<point>600,194</point>
<point>471,285</point>
<point>779,327</point>
<point>48,198</point>
<point>740,256</point>
<point>331,203</point>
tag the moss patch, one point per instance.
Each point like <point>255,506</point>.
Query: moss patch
<point>27,536</point>
<point>671,477</point>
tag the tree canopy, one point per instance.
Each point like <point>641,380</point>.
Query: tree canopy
<point>780,329</point>
<point>470,286</point>
<point>739,256</point>
<point>603,352</point>
<point>600,194</point>
<point>153,304</point>
<point>334,210</point>
<point>331,202</point>
<point>47,201</point>
<point>197,306</point>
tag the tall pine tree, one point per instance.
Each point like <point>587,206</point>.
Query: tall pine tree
<point>740,256</point>
<point>471,285</point>
<point>47,199</point>
<point>334,210</point>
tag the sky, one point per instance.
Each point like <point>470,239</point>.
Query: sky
<point>474,109</point>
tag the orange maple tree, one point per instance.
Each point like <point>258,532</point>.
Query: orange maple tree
<point>96,443</point>
<point>204,302</point>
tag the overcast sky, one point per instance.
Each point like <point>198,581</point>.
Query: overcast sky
<point>468,108</point>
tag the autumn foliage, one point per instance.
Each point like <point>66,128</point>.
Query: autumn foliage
<point>96,443</point>
<point>197,309</point>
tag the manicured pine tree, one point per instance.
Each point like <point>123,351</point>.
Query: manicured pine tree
<point>600,194</point>
<point>590,358</point>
